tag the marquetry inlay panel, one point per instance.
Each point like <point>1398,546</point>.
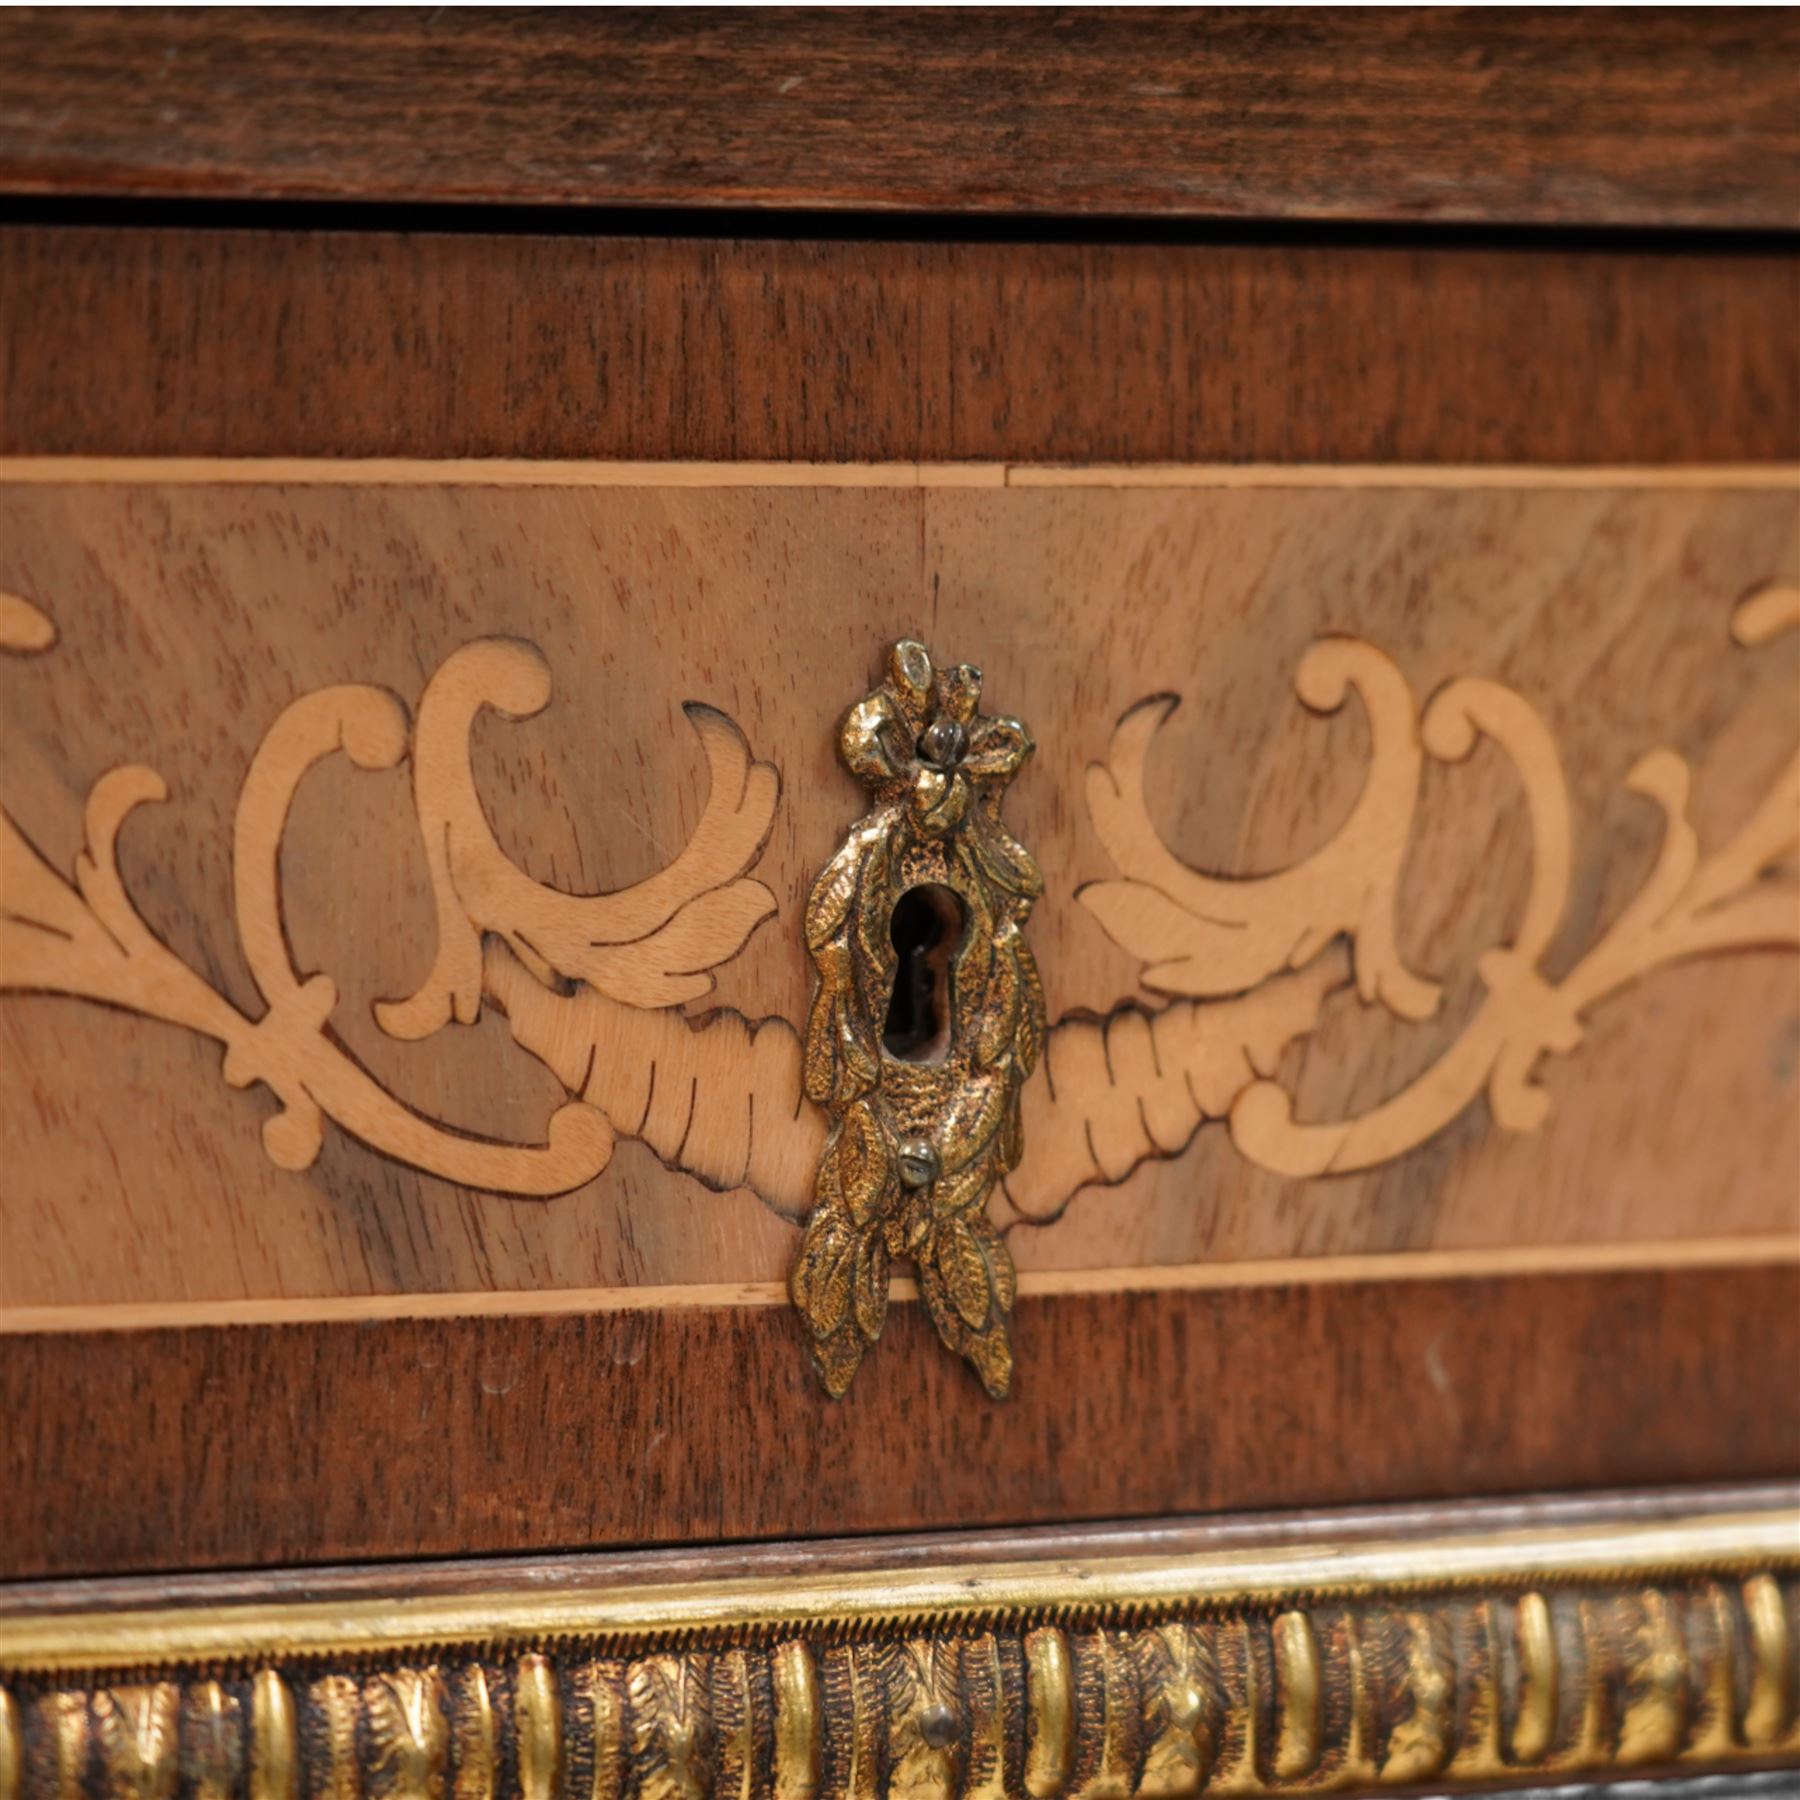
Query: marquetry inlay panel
<point>490,809</point>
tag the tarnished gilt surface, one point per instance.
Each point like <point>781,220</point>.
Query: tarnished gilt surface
<point>1527,1655</point>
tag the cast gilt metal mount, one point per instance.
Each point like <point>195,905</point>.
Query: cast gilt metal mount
<point>1357,1666</point>
<point>928,1017</point>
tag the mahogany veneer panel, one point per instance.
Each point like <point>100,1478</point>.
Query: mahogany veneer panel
<point>247,1445</point>
<point>261,343</point>
<point>1666,117</point>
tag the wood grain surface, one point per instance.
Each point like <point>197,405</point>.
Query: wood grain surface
<point>190,615</point>
<point>1632,117</point>
<point>267,343</point>
<point>260,1443</point>
<point>250,1446</point>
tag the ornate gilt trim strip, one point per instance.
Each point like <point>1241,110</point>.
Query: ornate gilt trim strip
<point>1521,1656</point>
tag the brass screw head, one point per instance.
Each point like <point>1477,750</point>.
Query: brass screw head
<point>943,743</point>
<point>918,1163</point>
<point>937,1725</point>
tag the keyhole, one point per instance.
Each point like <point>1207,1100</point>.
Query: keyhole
<point>927,928</point>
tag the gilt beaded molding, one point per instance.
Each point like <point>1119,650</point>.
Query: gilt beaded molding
<point>1545,1654</point>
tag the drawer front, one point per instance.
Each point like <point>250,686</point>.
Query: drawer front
<point>432,1084</point>
<point>958,988</point>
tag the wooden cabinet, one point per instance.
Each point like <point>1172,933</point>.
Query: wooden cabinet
<point>719,928</point>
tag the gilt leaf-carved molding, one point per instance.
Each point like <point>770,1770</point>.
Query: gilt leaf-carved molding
<point>1355,1666</point>
<point>1200,936</point>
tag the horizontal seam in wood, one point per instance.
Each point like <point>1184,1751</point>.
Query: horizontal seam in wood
<point>1546,1260</point>
<point>525,472</point>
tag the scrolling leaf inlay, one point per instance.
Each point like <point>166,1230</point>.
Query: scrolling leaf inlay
<point>1199,935</point>
<point>650,945</point>
<point>589,985</point>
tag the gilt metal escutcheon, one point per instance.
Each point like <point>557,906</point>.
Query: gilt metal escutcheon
<point>927,1018</point>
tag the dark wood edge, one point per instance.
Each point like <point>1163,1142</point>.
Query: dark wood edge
<point>1587,117</point>
<point>122,342</point>
<point>1186,1538</point>
<point>253,1446</point>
